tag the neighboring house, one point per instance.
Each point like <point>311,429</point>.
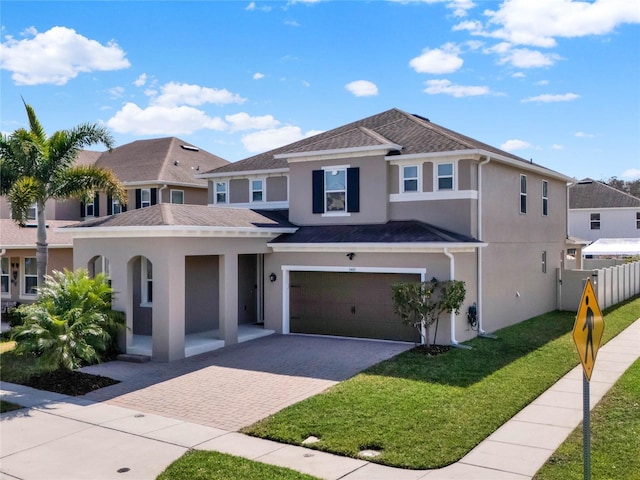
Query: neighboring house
<point>597,211</point>
<point>161,170</point>
<point>309,238</point>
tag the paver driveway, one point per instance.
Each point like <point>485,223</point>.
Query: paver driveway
<point>241,384</point>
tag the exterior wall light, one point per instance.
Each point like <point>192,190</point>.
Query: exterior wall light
<point>273,277</point>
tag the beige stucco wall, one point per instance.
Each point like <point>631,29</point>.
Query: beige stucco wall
<point>373,192</point>
<point>277,189</point>
<point>239,190</point>
<point>455,215</point>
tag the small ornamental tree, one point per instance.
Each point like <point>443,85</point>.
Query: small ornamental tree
<point>71,323</point>
<point>421,303</point>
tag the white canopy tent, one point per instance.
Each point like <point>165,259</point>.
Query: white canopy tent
<point>613,247</point>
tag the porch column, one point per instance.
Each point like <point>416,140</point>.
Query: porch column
<point>168,307</point>
<point>228,271</point>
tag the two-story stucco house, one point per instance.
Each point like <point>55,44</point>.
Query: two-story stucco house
<point>309,238</point>
<point>159,170</point>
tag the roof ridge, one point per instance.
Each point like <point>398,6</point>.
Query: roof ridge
<point>617,190</point>
<point>440,129</point>
<point>167,214</point>
<point>165,161</point>
<point>375,135</point>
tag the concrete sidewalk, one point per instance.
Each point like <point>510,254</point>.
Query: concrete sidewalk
<point>61,437</point>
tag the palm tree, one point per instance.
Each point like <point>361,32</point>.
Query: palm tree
<point>35,168</point>
<point>71,323</point>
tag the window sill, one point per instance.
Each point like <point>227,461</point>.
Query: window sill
<point>146,305</point>
<point>25,296</point>
<point>336,214</point>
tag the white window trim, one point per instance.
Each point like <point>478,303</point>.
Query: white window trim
<point>418,178</point>
<point>8,275</point>
<point>172,191</point>
<point>638,220</point>
<point>35,210</point>
<point>142,202</point>
<point>23,280</point>
<point>144,286</point>
<point>226,192</point>
<point>92,205</point>
<point>115,203</point>
<point>521,194</point>
<point>591,221</point>
<point>340,213</point>
<point>454,176</point>
<point>263,190</point>
<point>545,198</point>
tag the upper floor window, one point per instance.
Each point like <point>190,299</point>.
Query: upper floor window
<point>32,213</point>
<point>445,176</point>
<point>544,262</point>
<point>145,197</point>
<point>30,276</point>
<point>177,196</point>
<point>638,220</point>
<point>523,194</point>
<point>336,190</point>
<point>89,209</point>
<point>257,190</point>
<point>545,198</point>
<point>220,192</point>
<point>4,275</point>
<point>595,221</point>
<point>116,207</point>
<point>410,178</point>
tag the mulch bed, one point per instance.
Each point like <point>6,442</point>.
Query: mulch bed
<point>69,382</point>
<point>432,350</point>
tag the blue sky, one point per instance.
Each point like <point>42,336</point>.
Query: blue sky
<point>556,81</point>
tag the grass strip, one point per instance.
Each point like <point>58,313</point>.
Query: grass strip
<point>8,406</point>
<point>427,412</point>
<point>205,465</point>
<point>615,437</point>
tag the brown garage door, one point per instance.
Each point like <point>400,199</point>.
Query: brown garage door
<point>348,305</point>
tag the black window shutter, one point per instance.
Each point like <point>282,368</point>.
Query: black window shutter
<point>109,205</point>
<point>124,208</point>
<point>82,209</point>
<point>138,198</point>
<point>154,196</point>
<point>318,191</point>
<point>96,205</point>
<point>353,189</point>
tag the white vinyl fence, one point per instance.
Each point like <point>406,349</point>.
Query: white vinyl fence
<point>612,285</point>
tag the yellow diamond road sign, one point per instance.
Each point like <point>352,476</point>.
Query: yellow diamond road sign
<point>588,328</point>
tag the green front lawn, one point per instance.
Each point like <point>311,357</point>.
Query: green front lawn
<point>8,406</point>
<point>201,465</point>
<point>427,412</point>
<point>615,437</point>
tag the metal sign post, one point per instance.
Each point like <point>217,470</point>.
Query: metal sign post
<point>587,335</point>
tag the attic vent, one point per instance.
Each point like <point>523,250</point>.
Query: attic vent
<point>422,118</point>
<point>585,182</point>
<point>189,147</point>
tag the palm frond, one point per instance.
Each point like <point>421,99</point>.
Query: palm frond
<point>81,181</point>
<point>24,193</point>
<point>35,126</point>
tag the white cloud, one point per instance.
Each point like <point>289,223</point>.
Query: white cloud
<point>258,76</point>
<point>557,146</point>
<point>273,138</point>
<point>526,58</point>
<point>116,92</point>
<point>550,98</point>
<point>56,56</point>
<point>173,94</point>
<point>141,80</point>
<point>584,135</point>
<point>459,7</point>
<point>438,60</point>
<point>514,144</point>
<point>542,82</point>
<point>518,75</point>
<point>362,88</point>
<point>243,121</point>
<point>631,173</point>
<point>446,87</point>
<point>162,120</point>
<point>291,23</point>
<point>539,22</point>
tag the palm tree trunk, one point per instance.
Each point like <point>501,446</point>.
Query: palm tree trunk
<point>42,247</point>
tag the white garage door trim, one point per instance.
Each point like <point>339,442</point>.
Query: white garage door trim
<point>314,268</point>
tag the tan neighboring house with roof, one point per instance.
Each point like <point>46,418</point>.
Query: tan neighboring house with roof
<point>160,170</point>
<point>309,237</point>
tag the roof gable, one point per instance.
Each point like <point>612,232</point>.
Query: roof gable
<point>588,193</point>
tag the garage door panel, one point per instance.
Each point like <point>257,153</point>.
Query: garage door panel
<point>347,304</point>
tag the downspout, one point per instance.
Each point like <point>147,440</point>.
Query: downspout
<point>452,276</point>
<point>479,255</point>
<point>160,192</point>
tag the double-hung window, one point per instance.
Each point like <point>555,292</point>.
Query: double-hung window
<point>523,194</point>
<point>30,276</point>
<point>594,220</point>
<point>4,275</point>
<point>147,282</point>
<point>335,190</point>
<point>89,209</point>
<point>545,198</point>
<point>445,176</point>
<point>116,207</point>
<point>410,178</point>
<point>177,196</point>
<point>257,190</point>
<point>638,220</point>
<point>32,213</point>
<point>220,192</point>
<point>145,197</point>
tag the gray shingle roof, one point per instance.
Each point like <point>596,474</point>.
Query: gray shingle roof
<point>411,231</point>
<point>588,193</point>
<point>153,161</point>
<point>414,133</point>
<point>12,235</point>
<point>167,214</point>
